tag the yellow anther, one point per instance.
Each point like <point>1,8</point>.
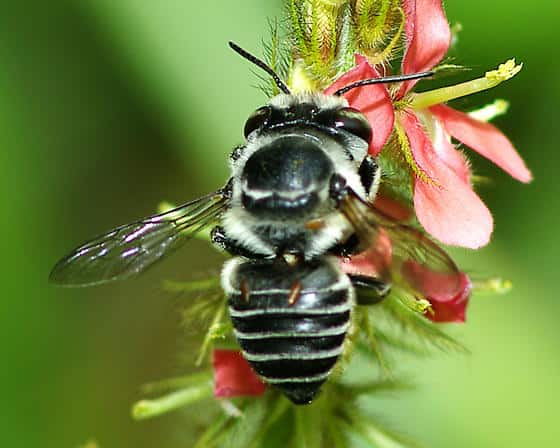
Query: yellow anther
<point>505,71</point>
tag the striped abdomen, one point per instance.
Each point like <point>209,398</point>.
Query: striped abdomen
<point>290,321</point>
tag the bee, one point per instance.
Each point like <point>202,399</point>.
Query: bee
<point>300,195</point>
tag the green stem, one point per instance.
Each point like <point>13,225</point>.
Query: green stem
<point>208,438</point>
<point>180,382</point>
<point>152,408</point>
<point>210,333</point>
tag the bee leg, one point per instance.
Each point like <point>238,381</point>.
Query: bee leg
<point>223,242</point>
<point>295,293</point>
<point>370,175</point>
<point>369,290</point>
<point>348,248</point>
<point>244,287</point>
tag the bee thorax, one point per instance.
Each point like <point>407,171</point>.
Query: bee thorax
<point>285,178</point>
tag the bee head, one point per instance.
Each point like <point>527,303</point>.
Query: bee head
<point>328,113</point>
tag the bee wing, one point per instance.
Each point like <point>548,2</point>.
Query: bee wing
<point>132,248</point>
<point>400,253</point>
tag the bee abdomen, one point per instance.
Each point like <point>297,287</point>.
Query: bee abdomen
<point>295,360</point>
<point>292,346</point>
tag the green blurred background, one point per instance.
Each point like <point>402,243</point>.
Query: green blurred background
<point>107,107</point>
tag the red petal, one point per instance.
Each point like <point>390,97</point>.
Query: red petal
<point>448,209</point>
<point>485,139</point>
<point>373,101</point>
<point>448,302</point>
<point>233,376</point>
<point>428,36</point>
<point>447,152</point>
<point>409,8</point>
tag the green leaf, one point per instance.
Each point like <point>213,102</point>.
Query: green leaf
<point>245,429</point>
<point>411,325</point>
<point>371,344</point>
<point>209,437</point>
<point>410,345</point>
<point>366,427</point>
<point>215,331</point>
<point>380,437</point>
<point>278,409</point>
<point>277,56</point>
<point>205,311</point>
<point>337,435</point>
<point>192,286</point>
<point>378,387</point>
<point>308,427</point>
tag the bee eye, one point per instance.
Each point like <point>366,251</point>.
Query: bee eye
<point>353,121</point>
<point>256,120</point>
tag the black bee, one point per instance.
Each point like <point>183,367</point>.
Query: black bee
<point>300,194</point>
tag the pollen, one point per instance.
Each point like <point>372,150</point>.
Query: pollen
<point>505,71</point>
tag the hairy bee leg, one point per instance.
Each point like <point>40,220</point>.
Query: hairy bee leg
<point>370,175</point>
<point>369,290</point>
<point>222,241</point>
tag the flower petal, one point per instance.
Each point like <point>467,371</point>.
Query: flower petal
<point>452,310</point>
<point>448,301</point>
<point>233,376</point>
<point>485,139</point>
<point>428,36</point>
<point>448,208</point>
<point>373,101</point>
<point>447,152</point>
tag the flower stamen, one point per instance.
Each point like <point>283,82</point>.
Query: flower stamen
<point>490,111</point>
<point>491,79</point>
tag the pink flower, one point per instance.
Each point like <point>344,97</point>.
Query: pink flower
<point>233,376</point>
<point>447,293</point>
<point>447,299</point>
<point>444,200</point>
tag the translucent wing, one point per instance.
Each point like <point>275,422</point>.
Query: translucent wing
<point>398,252</point>
<point>132,248</point>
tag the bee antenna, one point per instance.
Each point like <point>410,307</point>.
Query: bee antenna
<point>384,80</point>
<point>245,54</point>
